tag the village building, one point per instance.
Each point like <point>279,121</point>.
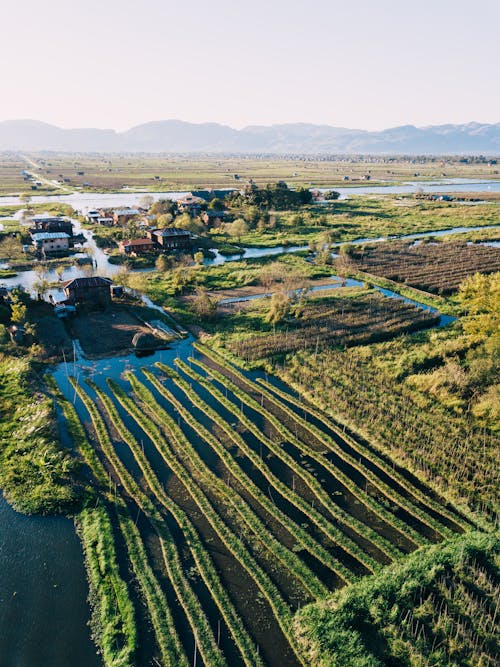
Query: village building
<point>213,218</point>
<point>51,243</point>
<point>47,223</point>
<point>190,204</point>
<point>123,215</point>
<point>170,238</point>
<point>137,247</point>
<point>93,290</point>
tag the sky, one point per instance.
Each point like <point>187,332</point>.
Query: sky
<point>357,64</point>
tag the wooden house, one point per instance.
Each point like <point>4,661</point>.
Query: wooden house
<point>94,290</point>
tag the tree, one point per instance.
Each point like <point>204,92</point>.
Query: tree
<point>198,257</point>
<point>164,220</point>
<point>163,263</point>
<point>18,310</point>
<point>279,307</point>
<point>146,201</point>
<point>238,228</point>
<point>204,306</point>
<point>193,225</point>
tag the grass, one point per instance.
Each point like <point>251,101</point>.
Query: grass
<point>37,474</point>
<point>438,607</point>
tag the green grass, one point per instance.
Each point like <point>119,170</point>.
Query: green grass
<point>37,475</point>
<point>435,608</point>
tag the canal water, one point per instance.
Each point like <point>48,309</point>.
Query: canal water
<point>43,593</point>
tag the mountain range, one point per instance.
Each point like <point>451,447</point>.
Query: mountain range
<point>175,136</point>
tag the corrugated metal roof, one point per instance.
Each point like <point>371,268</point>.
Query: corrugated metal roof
<point>126,211</point>
<point>171,231</point>
<point>46,236</point>
<point>138,242</point>
<point>92,281</point>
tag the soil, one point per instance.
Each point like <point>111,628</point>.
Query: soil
<point>106,333</point>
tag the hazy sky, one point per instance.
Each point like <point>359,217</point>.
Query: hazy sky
<point>352,63</point>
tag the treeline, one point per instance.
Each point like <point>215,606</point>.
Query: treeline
<point>276,196</point>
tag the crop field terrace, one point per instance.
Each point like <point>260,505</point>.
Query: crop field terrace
<point>435,267</point>
<point>236,506</point>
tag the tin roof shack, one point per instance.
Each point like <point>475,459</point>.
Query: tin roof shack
<point>93,290</point>
<point>137,247</point>
<point>123,215</point>
<point>51,244</point>
<point>171,238</point>
<point>47,223</point>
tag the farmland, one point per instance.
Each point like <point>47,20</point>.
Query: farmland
<point>438,268</point>
<point>249,507</point>
<point>104,173</point>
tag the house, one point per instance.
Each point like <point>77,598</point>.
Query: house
<point>190,204</point>
<point>170,238</point>
<point>47,223</point>
<point>137,246</point>
<point>123,215</point>
<point>94,290</point>
<point>105,222</point>
<point>51,243</point>
<point>92,215</point>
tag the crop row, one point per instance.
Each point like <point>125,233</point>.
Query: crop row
<point>328,442</point>
<point>366,453</point>
<point>288,558</point>
<point>375,481</point>
<point>305,540</point>
<point>201,557</point>
<point>361,528</point>
<point>166,636</point>
<point>199,623</point>
<point>334,533</point>
<point>234,545</point>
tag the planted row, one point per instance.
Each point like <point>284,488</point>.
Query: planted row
<point>326,526</point>
<point>328,442</point>
<point>234,545</point>
<point>199,623</point>
<point>366,453</point>
<point>305,540</point>
<point>346,519</point>
<point>288,558</point>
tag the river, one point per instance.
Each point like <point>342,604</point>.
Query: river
<point>86,200</point>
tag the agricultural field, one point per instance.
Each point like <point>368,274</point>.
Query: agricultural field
<point>322,323</point>
<point>250,507</point>
<point>434,267</point>
<point>169,172</point>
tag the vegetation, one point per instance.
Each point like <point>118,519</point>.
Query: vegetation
<point>113,621</point>
<point>37,474</point>
<point>438,607</point>
<point>438,268</point>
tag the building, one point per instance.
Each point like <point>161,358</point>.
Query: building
<point>123,215</point>
<point>190,204</point>
<point>47,223</point>
<point>170,238</point>
<point>94,290</point>
<point>137,246</point>
<point>51,243</point>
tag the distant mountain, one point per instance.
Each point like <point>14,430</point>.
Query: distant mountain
<point>175,136</point>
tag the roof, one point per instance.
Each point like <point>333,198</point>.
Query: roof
<point>137,242</point>
<point>126,211</point>
<point>46,236</point>
<point>171,231</point>
<point>45,217</point>
<point>92,281</point>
